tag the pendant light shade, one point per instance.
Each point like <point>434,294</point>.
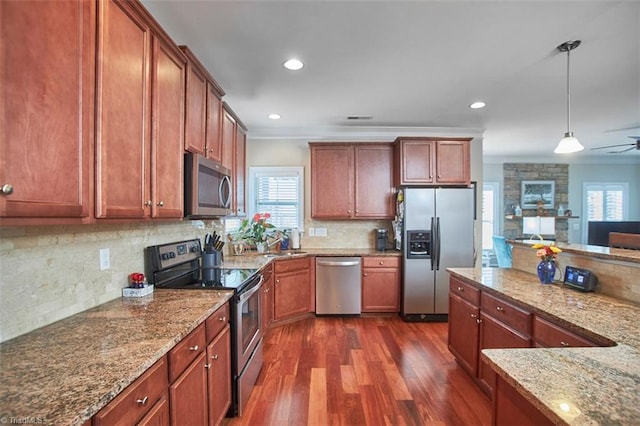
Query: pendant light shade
<point>569,143</point>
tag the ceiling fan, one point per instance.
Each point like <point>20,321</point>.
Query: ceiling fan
<point>633,145</point>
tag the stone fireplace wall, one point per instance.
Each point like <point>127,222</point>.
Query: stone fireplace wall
<point>514,174</point>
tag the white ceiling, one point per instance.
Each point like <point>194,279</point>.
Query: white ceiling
<point>415,66</point>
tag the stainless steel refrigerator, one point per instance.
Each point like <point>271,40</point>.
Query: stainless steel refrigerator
<point>438,233</point>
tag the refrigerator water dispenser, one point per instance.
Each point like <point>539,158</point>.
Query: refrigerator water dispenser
<point>419,244</point>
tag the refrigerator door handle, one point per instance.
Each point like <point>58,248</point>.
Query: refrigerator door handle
<point>432,244</point>
<point>438,244</point>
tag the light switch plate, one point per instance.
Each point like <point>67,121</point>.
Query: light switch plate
<point>321,232</point>
<point>105,261</point>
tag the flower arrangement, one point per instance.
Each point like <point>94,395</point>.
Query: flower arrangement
<point>256,230</point>
<point>546,253</point>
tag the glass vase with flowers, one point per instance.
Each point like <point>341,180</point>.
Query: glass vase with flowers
<point>547,266</point>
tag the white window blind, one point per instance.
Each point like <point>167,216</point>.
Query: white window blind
<point>605,202</point>
<point>279,192</point>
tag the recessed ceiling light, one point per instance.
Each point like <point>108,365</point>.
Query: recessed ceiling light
<point>477,105</point>
<point>274,116</point>
<point>293,64</point>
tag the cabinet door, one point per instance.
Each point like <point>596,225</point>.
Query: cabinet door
<point>380,290</point>
<point>47,107</point>
<point>416,159</point>
<point>239,199</point>
<point>453,162</point>
<point>219,376</point>
<point>374,195</point>
<point>122,175</point>
<point>332,189</point>
<point>228,139</point>
<point>188,395</point>
<point>292,294</point>
<point>214,116</point>
<point>196,109</point>
<point>267,304</point>
<point>158,415</point>
<point>167,131</point>
<point>464,333</point>
<point>496,335</point>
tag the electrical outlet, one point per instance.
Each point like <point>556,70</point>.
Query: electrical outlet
<point>105,261</point>
<point>321,232</point>
<point>311,232</point>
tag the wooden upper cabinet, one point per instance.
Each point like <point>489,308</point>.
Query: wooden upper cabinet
<point>122,139</point>
<point>228,137</point>
<point>46,111</point>
<point>432,161</point>
<point>332,181</point>
<point>196,106</point>
<point>239,168</point>
<point>351,181</point>
<point>374,193</point>
<point>167,131</point>
<point>213,144</point>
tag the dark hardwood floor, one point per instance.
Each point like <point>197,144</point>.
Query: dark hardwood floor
<point>362,371</point>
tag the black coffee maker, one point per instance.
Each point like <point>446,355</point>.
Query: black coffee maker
<point>381,239</point>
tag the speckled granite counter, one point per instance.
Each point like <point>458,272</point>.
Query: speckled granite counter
<point>256,261</point>
<point>575,386</point>
<point>65,372</point>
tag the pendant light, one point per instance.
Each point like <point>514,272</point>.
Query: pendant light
<point>568,144</point>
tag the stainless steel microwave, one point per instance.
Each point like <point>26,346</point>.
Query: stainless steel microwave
<point>207,188</point>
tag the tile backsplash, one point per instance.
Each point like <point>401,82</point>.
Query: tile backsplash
<point>51,272</point>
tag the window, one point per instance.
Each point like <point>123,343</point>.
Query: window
<point>279,192</point>
<point>490,220</point>
<point>604,202</point>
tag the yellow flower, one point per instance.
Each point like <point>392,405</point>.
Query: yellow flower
<point>545,252</point>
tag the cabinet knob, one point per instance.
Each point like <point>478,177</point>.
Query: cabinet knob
<point>364,275</point>
<point>479,320</point>
<point>381,262</point>
<point>160,203</point>
<point>277,281</point>
<point>194,348</point>
<point>214,357</point>
<point>7,189</point>
<point>222,319</point>
<point>474,316</point>
<point>207,366</point>
<point>148,203</point>
<point>142,401</point>
<point>565,344</point>
<point>439,176</point>
<point>499,308</point>
<point>460,288</point>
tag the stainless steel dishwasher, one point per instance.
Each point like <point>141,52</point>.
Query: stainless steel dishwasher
<point>338,285</point>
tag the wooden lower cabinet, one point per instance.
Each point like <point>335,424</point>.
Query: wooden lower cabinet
<point>464,333</point>
<point>139,401</point>
<point>219,376</point>
<point>380,284</point>
<point>188,395</point>
<point>511,408</point>
<point>292,288</point>
<point>158,415</point>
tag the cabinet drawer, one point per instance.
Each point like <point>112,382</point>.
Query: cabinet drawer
<point>551,335</point>
<point>185,352</point>
<point>216,322</point>
<point>517,318</point>
<point>137,399</point>
<point>291,265</point>
<point>380,262</point>
<point>465,291</point>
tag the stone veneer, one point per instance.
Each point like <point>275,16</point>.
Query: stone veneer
<point>514,174</point>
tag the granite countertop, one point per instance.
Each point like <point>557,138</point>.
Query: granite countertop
<point>253,260</point>
<point>66,372</point>
<point>598,252</point>
<point>575,386</point>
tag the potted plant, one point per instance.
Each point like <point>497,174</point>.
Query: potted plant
<point>255,232</point>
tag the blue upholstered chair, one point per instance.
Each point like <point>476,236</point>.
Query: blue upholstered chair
<point>503,251</point>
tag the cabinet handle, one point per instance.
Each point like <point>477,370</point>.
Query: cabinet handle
<point>439,176</point>
<point>479,320</point>
<point>148,203</point>
<point>364,275</point>
<point>194,348</point>
<point>474,316</point>
<point>7,189</point>
<point>499,308</point>
<point>142,401</point>
<point>381,262</point>
<point>214,357</point>
<point>207,366</point>
<point>460,288</point>
<point>222,319</point>
<point>160,203</point>
<point>565,344</point>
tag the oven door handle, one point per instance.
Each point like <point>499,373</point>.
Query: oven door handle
<point>244,296</point>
